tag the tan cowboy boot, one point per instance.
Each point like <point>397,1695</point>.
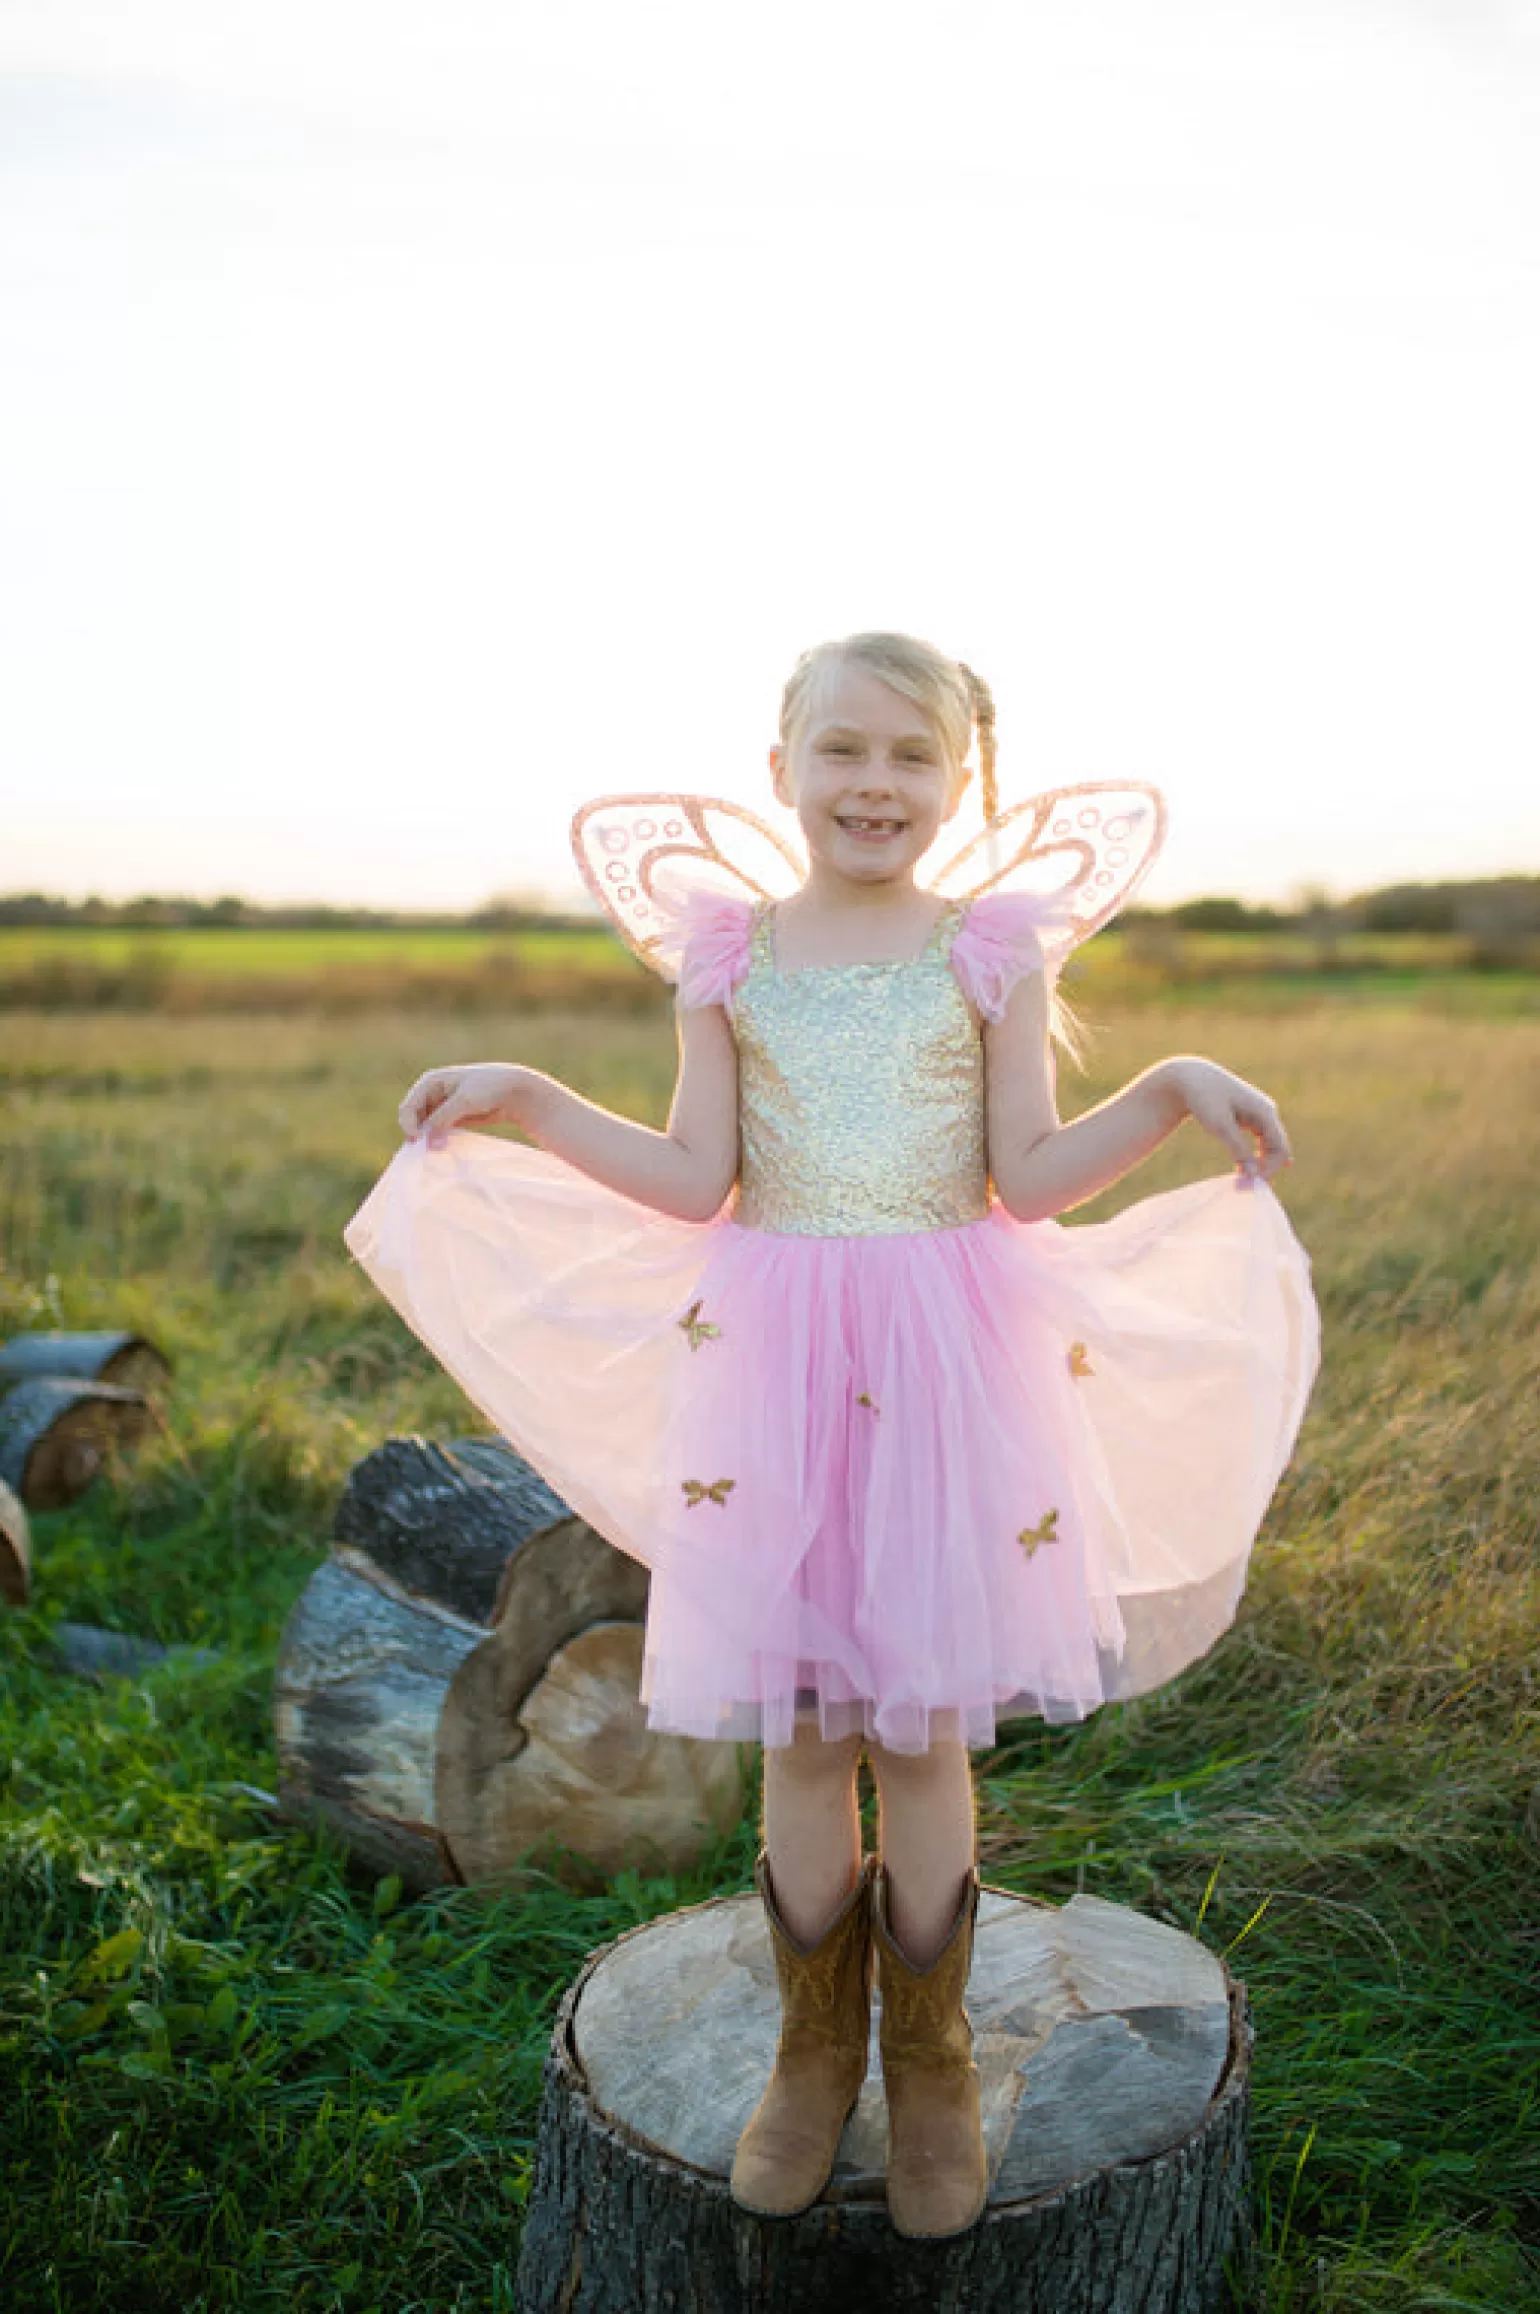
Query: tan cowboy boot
<point>937,2177</point>
<point>787,2150</point>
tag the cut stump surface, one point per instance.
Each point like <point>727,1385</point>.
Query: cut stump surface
<point>1114,2060</point>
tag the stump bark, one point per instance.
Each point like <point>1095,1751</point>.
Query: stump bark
<point>456,1689</point>
<point>1114,2055</point>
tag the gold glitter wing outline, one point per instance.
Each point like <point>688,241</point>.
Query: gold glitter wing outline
<point>1105,834</point>
<point>1108,832</point>
<point>701,843</point>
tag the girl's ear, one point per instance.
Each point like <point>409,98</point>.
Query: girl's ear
<point>777,761</point>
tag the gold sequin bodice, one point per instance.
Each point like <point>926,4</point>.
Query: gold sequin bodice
<point>860,1093</point>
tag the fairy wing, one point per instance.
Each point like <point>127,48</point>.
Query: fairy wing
<point>645,858</point>
<point>1086,849</point>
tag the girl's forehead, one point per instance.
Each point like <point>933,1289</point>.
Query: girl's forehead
<point>847,693</point>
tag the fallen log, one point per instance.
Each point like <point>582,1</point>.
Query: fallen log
<point>1114,2054</point>
<point>56,1433</point>
<point>456,1689</point>
<point>131,1361</point>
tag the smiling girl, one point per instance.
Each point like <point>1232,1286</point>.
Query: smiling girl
<point>905,1456</point>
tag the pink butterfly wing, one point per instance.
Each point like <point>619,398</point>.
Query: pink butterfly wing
<point>1088,848</point>
<point>645,857</point>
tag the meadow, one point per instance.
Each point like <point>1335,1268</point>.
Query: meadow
<point>237,2073</point>
<point>540,967</point>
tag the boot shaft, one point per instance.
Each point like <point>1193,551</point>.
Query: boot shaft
<point>825,1987</point>
<point>923,2020</point>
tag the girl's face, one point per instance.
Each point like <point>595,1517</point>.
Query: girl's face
<point>868,776</point>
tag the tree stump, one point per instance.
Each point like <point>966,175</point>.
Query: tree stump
<point>456,1689</point>
<point>56,1433</point>
<point>15,1549</point>
<point>1114,2054</point>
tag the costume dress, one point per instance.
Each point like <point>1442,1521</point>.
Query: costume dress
<point>896,1460</point>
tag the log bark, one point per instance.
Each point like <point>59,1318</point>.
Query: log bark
<point>129,1360</point>
<point>15,1549</point>
<point>56,1433</point>
<point>1114,2054</point>
<point>456,1690</point>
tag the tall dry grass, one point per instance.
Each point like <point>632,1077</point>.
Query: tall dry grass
<point>293,2090</point>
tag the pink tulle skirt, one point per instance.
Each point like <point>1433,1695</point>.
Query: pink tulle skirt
<point>912,1485</point>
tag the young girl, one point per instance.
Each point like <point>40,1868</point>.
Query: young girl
<point>903,1455</point>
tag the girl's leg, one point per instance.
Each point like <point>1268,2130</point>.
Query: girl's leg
<point>925,1814</point>
<point>812,1827</point>
<point>816,1901</point>
<point>924,1905</point>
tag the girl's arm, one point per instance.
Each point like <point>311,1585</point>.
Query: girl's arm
<point>686,1170</point>
<point>1042,1168</point>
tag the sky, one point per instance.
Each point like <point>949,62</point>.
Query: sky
<point>417,420</point>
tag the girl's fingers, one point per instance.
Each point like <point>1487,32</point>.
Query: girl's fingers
<point>426,1097</point>
<point>1225,1123</point>
<point>1273,1151</point>
<point>1244,1119</point>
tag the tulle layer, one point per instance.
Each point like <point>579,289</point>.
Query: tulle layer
<point>914,1485</point>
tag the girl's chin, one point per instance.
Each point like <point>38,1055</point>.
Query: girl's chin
<point>881,851</point>
<point>896,870</point>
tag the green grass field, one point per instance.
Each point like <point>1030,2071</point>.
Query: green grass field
<point>226,953</point>
<point>235,2074</point>
<point>210,969</point>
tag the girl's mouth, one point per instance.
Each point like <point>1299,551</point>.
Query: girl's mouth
<point>870,831</point>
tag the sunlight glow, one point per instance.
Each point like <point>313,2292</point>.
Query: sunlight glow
<point>414,422</point>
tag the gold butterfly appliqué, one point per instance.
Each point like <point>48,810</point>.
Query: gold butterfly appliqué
<point>693,1324</point>
<point>696,1490</point>
<point>1046,1531</point>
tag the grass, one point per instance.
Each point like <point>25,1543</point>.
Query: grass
<point>236,2072</point>
<point>206,969</point>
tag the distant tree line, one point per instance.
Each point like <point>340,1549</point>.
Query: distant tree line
<point>171,913</point>
<point>1493,906</point>
<point>1480,906</point>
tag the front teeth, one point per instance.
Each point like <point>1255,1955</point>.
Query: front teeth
<point>891,825</point>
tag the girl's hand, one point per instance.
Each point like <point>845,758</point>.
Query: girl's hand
<point>478,1094</point>
<point>1236,1113</point>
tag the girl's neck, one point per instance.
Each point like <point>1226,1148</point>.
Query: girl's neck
<point>829,895</point>
<point>846,924</point>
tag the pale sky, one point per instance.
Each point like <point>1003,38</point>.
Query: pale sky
<point>416,419</point>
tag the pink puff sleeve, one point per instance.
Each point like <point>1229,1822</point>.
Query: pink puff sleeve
<point>712,931</point>
<point>1003,935</point>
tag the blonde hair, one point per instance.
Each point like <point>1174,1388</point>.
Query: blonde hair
<point>956,702</point>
